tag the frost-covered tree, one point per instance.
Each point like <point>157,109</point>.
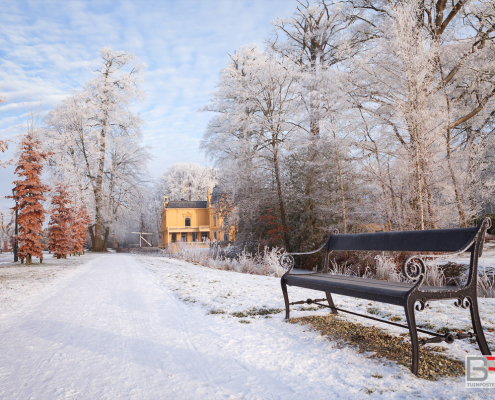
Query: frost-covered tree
<point>389,122</point>
<point>3,146</point>
<point>428,81</point>
<point>97,142</point>
<point>257,102</point>
<point>317,38</point>
<point>186,180</point>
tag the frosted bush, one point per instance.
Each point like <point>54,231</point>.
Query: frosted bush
<point>486,285</point>
<point>270,261</point>
<point>434,275</point>
<point>265,262</point>
<point>387,270</point>
<point>243,263</point>
<point>342,269</point>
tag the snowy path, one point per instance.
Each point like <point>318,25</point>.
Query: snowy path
<point>112,329</point>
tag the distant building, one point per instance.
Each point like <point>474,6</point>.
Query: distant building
<point>196,221</point>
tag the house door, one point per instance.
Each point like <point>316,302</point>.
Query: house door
<point>183,237</point>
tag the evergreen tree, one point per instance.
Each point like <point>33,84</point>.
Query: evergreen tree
<point>79,229</point>
<point>29,194</point>
<point>60,222</point>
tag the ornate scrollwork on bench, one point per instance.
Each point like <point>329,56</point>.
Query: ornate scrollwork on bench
<point>463,302</point>
<point>421,305</point>
<point>286,261</point>
<point>414,269</point>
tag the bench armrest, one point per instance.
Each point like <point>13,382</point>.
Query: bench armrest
<point>414,268</point>
<point>286,260</point>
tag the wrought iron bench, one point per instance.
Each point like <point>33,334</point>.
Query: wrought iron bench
<point>412,296</point>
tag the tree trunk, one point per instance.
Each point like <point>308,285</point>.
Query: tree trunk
<point>92,235</point>
<point>107,232</point>
<point>280,199</point>
<point>419,180</point>
<point>98,191</point>
<point>430,204</point>
<point>393,198</point>
<point>97,246</point>
<point>380,175</point>
<point>341,190</point>
<point>462,216</point>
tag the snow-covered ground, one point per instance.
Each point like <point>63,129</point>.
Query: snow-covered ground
<point>17,282</point>
<point>143,327</point>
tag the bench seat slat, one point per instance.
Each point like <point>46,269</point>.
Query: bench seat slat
<point>368,289</point>
<point>351,279</point>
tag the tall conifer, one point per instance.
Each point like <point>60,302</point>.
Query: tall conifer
<point>29,193</point>
<point>60,222</point>
<point>79,229</point>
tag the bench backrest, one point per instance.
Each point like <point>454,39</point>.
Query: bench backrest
<point>438,240</point>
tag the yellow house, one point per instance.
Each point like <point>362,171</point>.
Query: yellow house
<point>195,221</point>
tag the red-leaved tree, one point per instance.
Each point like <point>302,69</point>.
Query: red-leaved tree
<point>29,194</point>
<point>60,232</point>
<point>79,229</point>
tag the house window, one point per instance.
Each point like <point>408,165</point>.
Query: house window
<point>183,237</point>
<point>215,235</point>
<point>174,237</point>
<point>194,236</point>
<point>214,220</point>
<point>226,221</point>
<point>225,237</point>
<point>188,221</point>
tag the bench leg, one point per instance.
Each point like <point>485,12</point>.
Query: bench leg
<point>413,333</point>
<point>477,328</point>
<point>330,303</point>
<point>286,299</point>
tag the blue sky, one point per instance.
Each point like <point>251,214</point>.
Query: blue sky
<point>47,49</point>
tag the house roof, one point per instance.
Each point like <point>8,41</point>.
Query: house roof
<point>186,204</point>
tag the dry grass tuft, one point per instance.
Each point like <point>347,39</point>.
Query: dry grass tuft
<point>381,344</point>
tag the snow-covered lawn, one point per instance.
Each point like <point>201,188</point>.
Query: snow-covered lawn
<point>226,295</point>
<point>230,292</point>
<point>144,327</point>
<point>18,282</point>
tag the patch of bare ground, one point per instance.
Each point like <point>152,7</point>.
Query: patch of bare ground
<point>432,365</point>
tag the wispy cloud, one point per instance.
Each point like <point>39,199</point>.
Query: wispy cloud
<point>48,49</point>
